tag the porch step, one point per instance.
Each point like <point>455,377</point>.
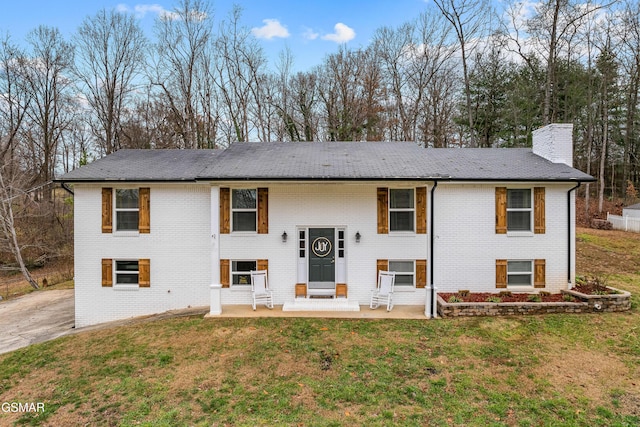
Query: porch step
<point>313,304</point>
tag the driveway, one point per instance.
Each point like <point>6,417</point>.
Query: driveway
<point>35,317</point>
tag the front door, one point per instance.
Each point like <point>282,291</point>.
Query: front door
<point>322,259</point>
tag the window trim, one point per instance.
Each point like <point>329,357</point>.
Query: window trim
<point>232,273</point>
<point>116,209</point>
<point>116,272</point>
<point>530,273</point>
<point>530,209</point>
<point>413,273</point>
<point>239,210</point>
<point>412,209</point>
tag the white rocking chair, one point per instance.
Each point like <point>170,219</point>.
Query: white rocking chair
<point>260,291</point>
<point>383,293</point>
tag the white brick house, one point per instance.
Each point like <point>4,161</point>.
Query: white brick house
<point>157,230</point>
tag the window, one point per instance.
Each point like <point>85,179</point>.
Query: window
<point>519,273</point>
<point>401,209</point>
<point>127,272</point>
<point>127,209</point>
<point>241,272</point>
<point>519,209</point>
<point>244,210</point>
<point>405,272</point>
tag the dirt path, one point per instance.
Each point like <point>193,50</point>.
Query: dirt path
<point>36,317</point>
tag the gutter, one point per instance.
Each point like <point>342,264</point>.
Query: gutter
<point>66,187</point>
<point>432,241</point>
<point>569,247</point>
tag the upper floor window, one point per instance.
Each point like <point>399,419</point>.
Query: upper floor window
<point>244,210</point>
<point>127,209</point>
<point>519,209</point>
<point>401,210</point>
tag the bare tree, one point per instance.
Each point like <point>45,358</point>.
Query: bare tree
<point>469,19</point>
<point>110,55</point>
<point>180,54</point>
<point>50,112</point>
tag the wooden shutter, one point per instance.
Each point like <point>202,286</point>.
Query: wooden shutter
<point>107,210</point>
<point>225,210</point>
<point>144,204</point>
<point>107,272</point>
<point>381,265</point>
<point>421,273</point>
<point>224,273</point>
<point>262,264</point>
<point>539,210</point>
<point>383,210</point>
<point>263,211</point>
<point>144,273</point>
<point>501,273</point>
<point>501,210</point>
<point>421,210</point>
<point>539,273</point>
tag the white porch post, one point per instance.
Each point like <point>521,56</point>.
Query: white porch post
<point>431,311</point>
<point>215,287</point>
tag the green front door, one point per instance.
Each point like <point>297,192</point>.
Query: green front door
<point>322,259</point>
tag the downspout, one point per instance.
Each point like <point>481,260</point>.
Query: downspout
<point>432,240</point>
<point>569,243</point>
<point>66,187</point>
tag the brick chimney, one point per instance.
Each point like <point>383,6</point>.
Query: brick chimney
<point>554,142</point>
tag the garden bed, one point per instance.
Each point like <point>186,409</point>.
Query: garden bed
<point>584,298</point>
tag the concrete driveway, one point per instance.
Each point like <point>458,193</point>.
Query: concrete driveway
<point>35,317</point>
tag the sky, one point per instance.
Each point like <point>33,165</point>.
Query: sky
<point>310,29</point>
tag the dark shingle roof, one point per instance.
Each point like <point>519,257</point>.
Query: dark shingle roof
<point>326,161</point>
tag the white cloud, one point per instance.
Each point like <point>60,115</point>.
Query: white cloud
<point>309,34</point>
<point>342,34</point>
<point>141,10</point>
<point>271,28</point>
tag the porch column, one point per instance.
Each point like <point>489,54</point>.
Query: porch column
<point>215,287</point>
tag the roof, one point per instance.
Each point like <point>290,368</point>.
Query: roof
<point>633,207</point>
<point>317,161</point>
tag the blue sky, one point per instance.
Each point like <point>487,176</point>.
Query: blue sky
<point>311,28</point>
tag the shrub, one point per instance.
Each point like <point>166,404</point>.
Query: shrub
<point>534,298</point>
<point>494,298</point>
<point>503,294</point>
<point>463,293</point>
<point>568,298</point>
<point>454,299</point>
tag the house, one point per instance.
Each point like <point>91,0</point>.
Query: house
<point>157,230</point>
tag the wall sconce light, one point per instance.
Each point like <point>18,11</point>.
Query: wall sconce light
<point>284,237</point>
<point>358,237</point>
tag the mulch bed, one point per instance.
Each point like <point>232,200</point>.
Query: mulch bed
<point>514,297</point>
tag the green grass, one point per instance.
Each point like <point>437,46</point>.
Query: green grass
<point>553,370</point>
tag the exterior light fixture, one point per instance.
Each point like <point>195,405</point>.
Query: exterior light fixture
<point>284,237</point>
<point>358,237</point>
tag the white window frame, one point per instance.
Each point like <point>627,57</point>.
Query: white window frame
<point>529,209</point>
<point>529,273</point>
<point>117,272</point>
<point>233,272</point>
<point>412,209</point>
<point>239,210</point>
<point>117,209</point>
<point>398,287</point>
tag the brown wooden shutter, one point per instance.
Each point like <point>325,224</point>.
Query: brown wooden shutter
<point>383,210</point>
<point>421,273</point>
<point>224,273</point>
<point>263,211</point>
<point>107,272</point>
<point>539,273</point>
<point>381,265</point>
<point>262,264</point>
<point>107,210</point>
<point>501,273</point>
<point>225,210</point>
<point>501,210</point>
<point>539,210</point>
<point>144,217</point>
<point>144,273</point>
<point>421,210</point>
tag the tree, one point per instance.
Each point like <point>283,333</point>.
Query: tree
<point>469,20</point>
<point>110,55</point>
